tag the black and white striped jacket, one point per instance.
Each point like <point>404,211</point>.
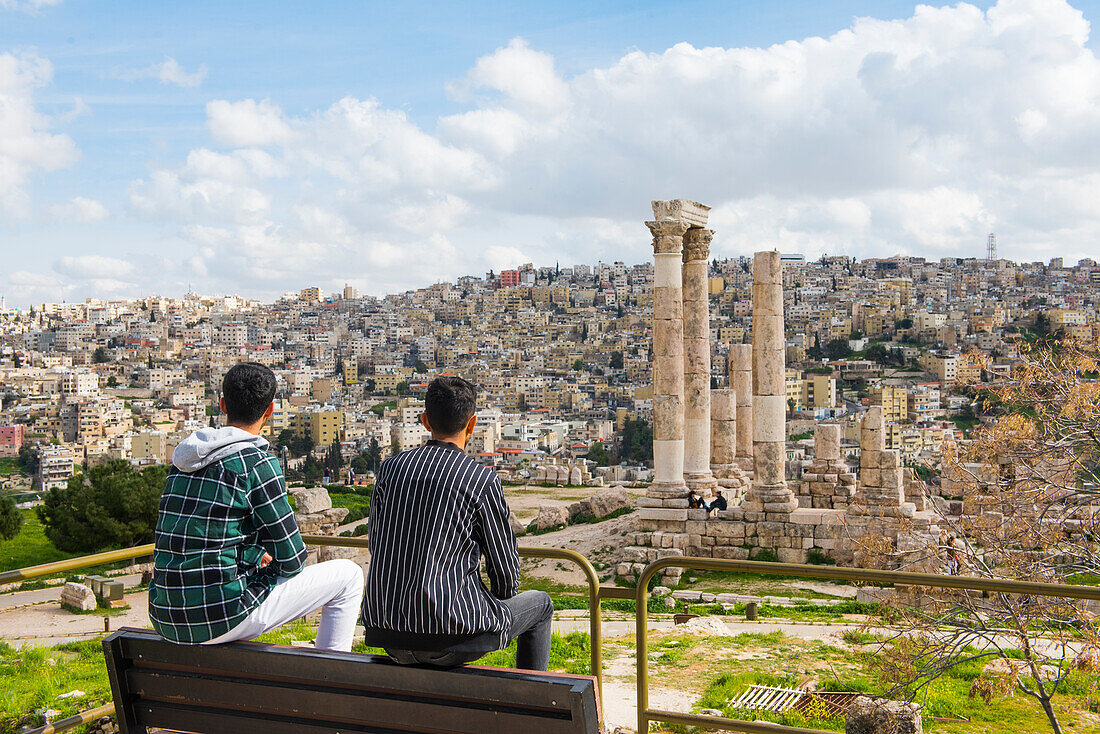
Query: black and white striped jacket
<point>434,514</point>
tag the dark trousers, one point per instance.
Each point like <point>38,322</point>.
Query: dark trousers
<point>532,617</point>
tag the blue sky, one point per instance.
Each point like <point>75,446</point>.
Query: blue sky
<point>261,147</point>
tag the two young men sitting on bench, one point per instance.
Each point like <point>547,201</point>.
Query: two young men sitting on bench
<point>229,560</point>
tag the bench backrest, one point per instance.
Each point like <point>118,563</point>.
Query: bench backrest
<point>273,689</point>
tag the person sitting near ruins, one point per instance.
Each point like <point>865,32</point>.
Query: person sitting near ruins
<point>228,560</point>
<point>434,513</point>
<point>695,500</point>
<point>953,558</point>
<point>717,504</point>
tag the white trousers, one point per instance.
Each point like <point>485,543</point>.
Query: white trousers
<point>334,586</point>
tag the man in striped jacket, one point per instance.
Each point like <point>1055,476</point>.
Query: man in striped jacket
<point>434,514</point>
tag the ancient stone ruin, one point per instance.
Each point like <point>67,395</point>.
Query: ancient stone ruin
<point>734,439</point>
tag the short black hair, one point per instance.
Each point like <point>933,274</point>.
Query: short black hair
<point>248,388</point>
<point>449,404</point>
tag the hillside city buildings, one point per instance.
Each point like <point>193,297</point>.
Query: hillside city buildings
<point>562,356</point>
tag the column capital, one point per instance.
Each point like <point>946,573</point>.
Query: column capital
<point>697,244</point>
<point>668,235</point>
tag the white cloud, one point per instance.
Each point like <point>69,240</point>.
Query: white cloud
<point>31,6</point>
<point>246,123</point>
<point>78,209</point>
<point>918,135</point>
<point>168,71</point>
<point>26,145</point>
<point>27,287</point>
<point>94,267</point>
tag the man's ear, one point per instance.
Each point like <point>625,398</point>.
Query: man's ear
<point>221,406</point>
<point>424,422</point>
<point>470,425</point>
<point>270,410</point>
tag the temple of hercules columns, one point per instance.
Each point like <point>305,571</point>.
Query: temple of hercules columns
<point>734,439</point>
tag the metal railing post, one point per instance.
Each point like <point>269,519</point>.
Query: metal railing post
<point>595,617</point>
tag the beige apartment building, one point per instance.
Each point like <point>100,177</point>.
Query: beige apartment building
<point>894,400</point>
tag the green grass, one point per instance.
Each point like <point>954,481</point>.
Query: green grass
<point>29,547</point>
<point>357,504</point>
<point>8,466</point>
<point>33,678</point>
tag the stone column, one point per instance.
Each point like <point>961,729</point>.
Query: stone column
<point>723,429</point>
<point>740,379</point>
<point>697,473</point>
<point>881,491</point>
<point>769,492</point>
<point>827,442</point>
<point>668,360</point>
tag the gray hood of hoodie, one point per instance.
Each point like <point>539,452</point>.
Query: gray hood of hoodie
<point>207,445</point>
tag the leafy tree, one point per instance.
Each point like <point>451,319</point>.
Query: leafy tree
<point>420,366</point>
<point>375,455</point>
<point>302,445</point>
<point>311,470</point>
<point>100,355</point>
<point>10,518</point>
<point>906,323</point>
<point>1042,324</point>
<point>837,349</point>
<point>334,458</point>
<point>598,454</point>
<point>285,438</point>
<point>616,360</point>
<point>637,441</point>
<point>578,365</point>
<point>340,366</point>
<point>28,458</point>
<point>112,381</point>
<point>1030,485</point>
<point>402,388</point>
<point>361,464</point>
<point>113,506</point>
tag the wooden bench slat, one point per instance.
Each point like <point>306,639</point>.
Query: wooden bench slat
<point>340,708</point>
<point>523,688</point>
<point>190,719</point>
<point>255,687</point>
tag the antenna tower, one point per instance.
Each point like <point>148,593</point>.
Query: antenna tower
<point>991,247</point>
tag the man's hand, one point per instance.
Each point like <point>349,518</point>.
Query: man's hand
<point>265,560</point>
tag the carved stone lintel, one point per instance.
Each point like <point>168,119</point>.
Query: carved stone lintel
<point>668,235</point>
<point>692,212</point>
<point>697,244</point>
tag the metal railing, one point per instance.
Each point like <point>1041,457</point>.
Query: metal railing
<point>640,595</point>
<point>596,593</point>
<point>901,578</point>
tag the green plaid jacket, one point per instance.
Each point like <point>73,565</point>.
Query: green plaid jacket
<point>213,528</point>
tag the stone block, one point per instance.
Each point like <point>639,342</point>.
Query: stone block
<point>791,555</point>
<point>806,517</point>
<point>652,513</point>
<point>78,596</point>
<point>867,716</point>
<point>551,516</point>
<point>310,500</point>
<point>111,591</point>
<point>609,501</point>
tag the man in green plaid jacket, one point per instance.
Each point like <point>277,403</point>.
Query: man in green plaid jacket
<point>229,562</point>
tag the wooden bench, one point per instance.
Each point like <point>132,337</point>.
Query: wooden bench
<point>247,687</point>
